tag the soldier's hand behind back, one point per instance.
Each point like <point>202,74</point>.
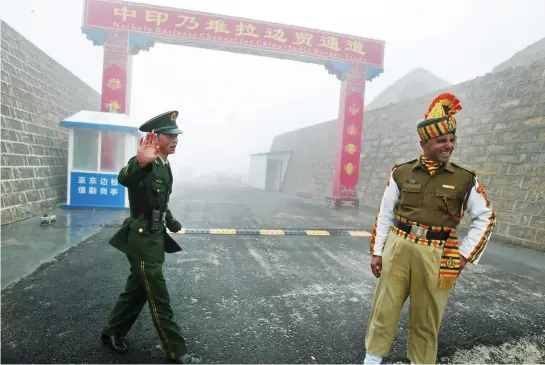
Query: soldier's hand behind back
<point>148,150</point>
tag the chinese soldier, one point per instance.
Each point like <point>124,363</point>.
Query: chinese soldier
<point>414,244</point>
<point>144,239</point>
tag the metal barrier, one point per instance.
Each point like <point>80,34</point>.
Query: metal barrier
<point>274,232</point>
<point>239,231</point>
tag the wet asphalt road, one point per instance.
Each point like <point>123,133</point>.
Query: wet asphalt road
<point>257,299</point>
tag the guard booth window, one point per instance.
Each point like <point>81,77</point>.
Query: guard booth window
<point>89,157</point>
<point>112,151</point>
<point>85,149</point>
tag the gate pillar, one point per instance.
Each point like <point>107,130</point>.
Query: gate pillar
<point>116,73</point>
<point>349,135</point>
<point>119,48</point>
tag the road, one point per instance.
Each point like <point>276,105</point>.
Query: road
<point>259,299</point>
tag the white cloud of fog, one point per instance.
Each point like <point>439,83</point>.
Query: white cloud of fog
<point>232,105</point>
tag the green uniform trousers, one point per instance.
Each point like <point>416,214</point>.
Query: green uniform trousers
<point>408,269</point>
<point>146,283</point>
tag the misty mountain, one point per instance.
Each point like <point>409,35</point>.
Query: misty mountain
<point>416,83</point>
<point>533,52</point>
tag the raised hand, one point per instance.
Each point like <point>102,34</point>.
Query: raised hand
<point>148,150</point>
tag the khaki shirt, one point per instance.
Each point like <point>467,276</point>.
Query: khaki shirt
<point>422,196</point>
<point>419,197</point>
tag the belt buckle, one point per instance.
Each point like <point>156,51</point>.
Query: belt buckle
<point>418,231</point>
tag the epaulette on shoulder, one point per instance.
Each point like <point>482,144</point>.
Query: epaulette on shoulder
<point>404,163</point>
<point>471,171</point>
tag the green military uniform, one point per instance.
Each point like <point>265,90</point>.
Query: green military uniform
<point>149,188</point>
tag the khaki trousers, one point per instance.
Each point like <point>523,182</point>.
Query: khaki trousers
<point>408,269</point>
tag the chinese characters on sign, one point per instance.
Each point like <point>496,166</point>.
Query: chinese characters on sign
<point>184,24</point>
<point>92,186</point>
<point>96,189</point>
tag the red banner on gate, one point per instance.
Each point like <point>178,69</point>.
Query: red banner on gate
<point>114,89</point>
<point>240,33</point>
<point>351,142</point>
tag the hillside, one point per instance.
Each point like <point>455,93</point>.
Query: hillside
<point>414,84</point>
<point>529,54</point>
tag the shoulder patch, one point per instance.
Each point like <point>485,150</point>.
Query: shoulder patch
<point>406,163</point>
<point>403,166</point>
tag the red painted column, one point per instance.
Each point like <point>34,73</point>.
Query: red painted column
<point>349,133</point>
<point>116,75</point>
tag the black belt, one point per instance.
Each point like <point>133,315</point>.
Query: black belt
<point>142,216</point>
<point>430,235</point>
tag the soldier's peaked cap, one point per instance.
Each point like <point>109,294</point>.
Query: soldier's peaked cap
<point>164,123</point>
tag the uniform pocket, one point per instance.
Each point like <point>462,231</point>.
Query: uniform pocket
<point>447,193</point>
<point>139,227</point>
<point>158,187</point>
<point>160,191</point>
<point>449,201</point>
<point>410,194</point>
<point>139,234</point>
<point>395,257</point>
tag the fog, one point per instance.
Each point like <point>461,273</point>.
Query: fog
<point>232,105</point>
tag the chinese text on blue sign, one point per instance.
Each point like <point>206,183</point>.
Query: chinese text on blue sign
<point>95,189</point>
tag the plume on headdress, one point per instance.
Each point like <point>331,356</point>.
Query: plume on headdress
<point>445,105</point>
<point>439,119</point>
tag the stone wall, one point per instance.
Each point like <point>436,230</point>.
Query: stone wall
<point>310,170</point>
<point>37,92</point>
<point>501,134</point>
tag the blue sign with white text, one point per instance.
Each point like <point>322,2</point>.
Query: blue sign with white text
<point>97,190</point>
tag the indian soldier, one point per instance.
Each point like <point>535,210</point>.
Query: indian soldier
<point>144,239</point>
<point>414,243</point>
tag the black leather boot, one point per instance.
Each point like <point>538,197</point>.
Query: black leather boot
<point>116,342</point>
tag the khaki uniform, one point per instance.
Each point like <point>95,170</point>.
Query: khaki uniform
<point>422,196</point>
<point>408,269</point>
<point>411,266</point>
<point>415,233</point>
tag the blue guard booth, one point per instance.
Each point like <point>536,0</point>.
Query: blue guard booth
<point>99,145</point>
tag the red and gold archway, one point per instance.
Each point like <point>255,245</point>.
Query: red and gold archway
<point>125,28</point>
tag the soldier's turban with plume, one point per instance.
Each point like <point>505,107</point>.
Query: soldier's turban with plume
<point>439,119</point>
